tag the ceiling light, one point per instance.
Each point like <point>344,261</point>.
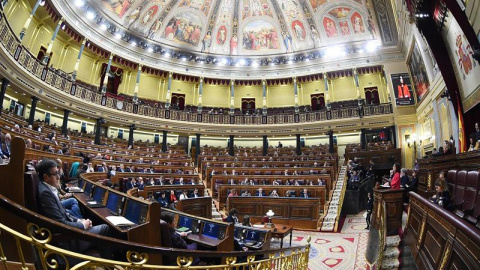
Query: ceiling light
<point>118,36</point>
<point>90,15</point>
<point>150,50</point>
<point>255,64</point>
<point>134,43</point>
<point>42,3</point>
<point>242,62</point>
<point>224,61</point>
<point>372,46</point>
<point>103,27</point>
<point>79,3</point>
<point>167,54</point>
<point>334,51</point>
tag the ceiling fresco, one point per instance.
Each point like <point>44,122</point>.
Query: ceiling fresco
<point>243,27</point>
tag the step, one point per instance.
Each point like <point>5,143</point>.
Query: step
<point>390,263</point>
<point>393,241</point>
<point>391,252</point>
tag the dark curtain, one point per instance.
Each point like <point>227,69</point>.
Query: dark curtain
<point>178,101</point>
<point>371,96</point>
<point>114,80</point>
<point>317,101</point>
<point>248,105</point>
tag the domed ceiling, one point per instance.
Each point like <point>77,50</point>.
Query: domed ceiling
<point>237,32</point>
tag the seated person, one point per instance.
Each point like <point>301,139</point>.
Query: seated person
<point>172,199</point>
<point>260,193</point>
<point>246,221</point>
<point>184,195</point>
<point>233,193</point>
<point>50,206</point>
<point>162,200</point>
<point>274,193</point>
<point>412,184</point>
<point>442,197</point>
<point>246,193</point>
<point>304,193</point>
<point>196,194</point>
<point>177,237</point>
<point>404,180</point>
<point>232,216</point>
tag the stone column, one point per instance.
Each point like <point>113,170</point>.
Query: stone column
<point>137,82</point>
<point>46,57</point>
<point>169,89</point>
<point>31,118</point>
<point>130,134</point>
<point>29,20</point>
<point>232,97</point>
<point>98,129</point>
<point>105,79</point>
<point>299,146</point>
<point>197,148</point>
<point>66,113</point>
<point>5,83</point>
<point>231,150</point>
<point>265,145</point>
<point>164,141</point>
<point>200,90</point>
<point>77,63</point>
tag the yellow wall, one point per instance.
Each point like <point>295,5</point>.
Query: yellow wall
<point>216,95</point>
<point>343,89</point>
<point>248,92</point>
<point>308,89</point>
<point>280,96</point>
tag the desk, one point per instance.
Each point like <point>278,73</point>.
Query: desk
<point>282,231</point>
<point>204,240</point>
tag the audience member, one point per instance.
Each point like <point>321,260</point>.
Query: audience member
<point>176,237</point>
<point>442,197</point>
<point>404,180</point>
<point>162,200</point>
<point>369,210</point>
<point>274,193</point>
<point>51,207</point>
<point>184,195</point>
<point>246,221</point>
<point>232,216</point>
<point>395,183</point>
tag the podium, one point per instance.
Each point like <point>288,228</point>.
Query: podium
<point>394,205</point>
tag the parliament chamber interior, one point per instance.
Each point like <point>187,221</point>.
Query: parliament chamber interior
<point>239,134</point>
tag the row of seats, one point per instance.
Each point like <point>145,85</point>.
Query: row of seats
<point>465,188</point>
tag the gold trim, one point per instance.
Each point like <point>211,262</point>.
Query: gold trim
<point>446,255</point>
<point>422,231</point>
<point>51,257</point>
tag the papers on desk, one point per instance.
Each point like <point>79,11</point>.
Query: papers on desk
<point>258,225</point>
<point>75,190</point>
<point>386,185</point>
<point>119,221</point>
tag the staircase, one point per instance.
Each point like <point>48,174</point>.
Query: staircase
<point>391,253</point>
<point>329,222</point>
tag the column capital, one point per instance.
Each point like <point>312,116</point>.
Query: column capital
<point>35,98</point>
<point>201,80</point>
<point>66,111</point>
<point>170,74</point>
<point>111,56</point>
<point>140,66</point>
<point>232,81</point>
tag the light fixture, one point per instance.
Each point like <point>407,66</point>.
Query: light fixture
<point>103,27</point>
<point>90,15</point>
<point>118,36</point>
<point>270,214</point>
<point>150,49</point>
<point>79,3</point>
<point>134,43</point>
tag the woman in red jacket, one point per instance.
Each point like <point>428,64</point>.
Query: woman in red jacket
<point>395,183</point>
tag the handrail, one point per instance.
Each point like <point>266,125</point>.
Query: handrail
<point>41,231</point>
<point>56,80</point>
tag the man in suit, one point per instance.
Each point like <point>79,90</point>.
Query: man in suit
<point>51,207</point>
<point>260,193</point>
<point>304,193</point>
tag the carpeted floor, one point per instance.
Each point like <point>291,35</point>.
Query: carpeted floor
<point>344,250</point>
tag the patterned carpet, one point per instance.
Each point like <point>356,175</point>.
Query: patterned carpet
<point>344,250</point>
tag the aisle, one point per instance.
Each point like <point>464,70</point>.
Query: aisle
<point>344,250</point>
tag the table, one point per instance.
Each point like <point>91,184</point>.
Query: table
<point>279,231</point>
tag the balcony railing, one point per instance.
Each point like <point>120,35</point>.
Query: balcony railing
<point>62,81</point>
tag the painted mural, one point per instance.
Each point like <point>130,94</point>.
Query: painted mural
<point>419,74</point>
<point>260,36</point>
<point>293,15</point>
<point>184,28</point>
<point>252,8</point>
<point>210,26</point>
<point>461,54</point>
<point>222,30</point>
<point>402,89</point>
<point>201,5</point>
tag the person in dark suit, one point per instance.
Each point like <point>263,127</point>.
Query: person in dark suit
<point>412,185</point>
<point>260,193</point>
<point>304,193</point>
<point>404,180</point>
<point>232,216</point>
<point>163,200</point>
<point>51,207</point>
<point>131,184</point>
<point>369,210</point>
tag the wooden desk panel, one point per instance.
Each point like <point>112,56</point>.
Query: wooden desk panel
<point>201,207</point>
<point>285,209</point>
